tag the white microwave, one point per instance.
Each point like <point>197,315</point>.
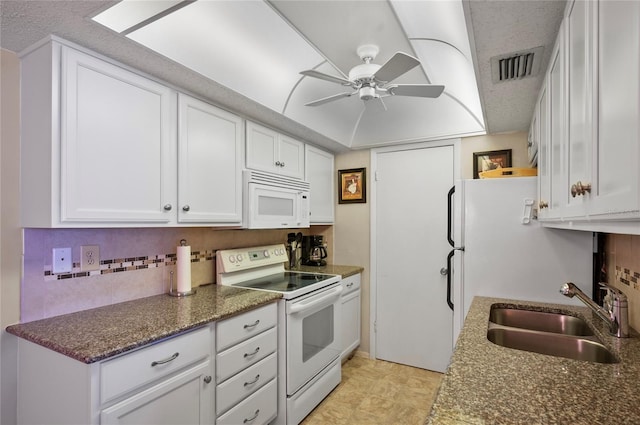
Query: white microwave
<point>272,201</point>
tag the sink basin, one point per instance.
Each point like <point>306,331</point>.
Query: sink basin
<point>552,344</point>
<point>540,321</point>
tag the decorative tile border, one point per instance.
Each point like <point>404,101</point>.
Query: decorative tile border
<point>118,265</point>
<point>628,277</point>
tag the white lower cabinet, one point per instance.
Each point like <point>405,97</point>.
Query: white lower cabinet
<point>169,382</point>
<point>350,314</point>
<point>182,399</point>
<point>246,367</point>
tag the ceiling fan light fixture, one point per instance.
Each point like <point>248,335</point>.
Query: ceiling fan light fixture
<point>367,93</point>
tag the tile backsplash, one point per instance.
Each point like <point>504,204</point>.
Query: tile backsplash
<point>134,263</point>
<point>623,270</point>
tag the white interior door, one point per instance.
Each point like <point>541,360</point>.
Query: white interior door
<point>413,321</point>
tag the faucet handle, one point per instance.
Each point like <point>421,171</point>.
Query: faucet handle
<point>615,293</point>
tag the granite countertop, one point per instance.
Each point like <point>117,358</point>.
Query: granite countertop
<point>344,271</point>
<point>99,333</point>
<point>489,384</point>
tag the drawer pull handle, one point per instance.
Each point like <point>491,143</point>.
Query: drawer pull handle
<point>252,354</point>
<point>253,325</point>
<point>167,360</point>
<point>252,418</point>
<point>246,384</point>
<point>349,285</point>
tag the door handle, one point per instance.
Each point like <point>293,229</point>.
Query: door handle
<point>450,216</point>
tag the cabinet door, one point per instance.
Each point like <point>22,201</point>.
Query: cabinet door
<point>209,164</point>
<point>580,102</point>
<point>261,148</point>
<point>544,175</point>
<point>350,316</point>
<point>557,128</point>
<point>319,172</point>
<point>616,188</point>
<point>117,144</point>
<point>183,399</point>
<point>291,157</point>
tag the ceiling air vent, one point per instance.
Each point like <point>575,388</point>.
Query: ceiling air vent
<point>515,66</point>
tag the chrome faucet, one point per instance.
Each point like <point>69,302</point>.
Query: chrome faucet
<point>615,313</point>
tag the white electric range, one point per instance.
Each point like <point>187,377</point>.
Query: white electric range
<point>309,319</point>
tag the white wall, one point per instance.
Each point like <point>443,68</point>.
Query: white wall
<point>10,233</point>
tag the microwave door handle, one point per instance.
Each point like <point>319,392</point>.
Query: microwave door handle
<point>302,306</point>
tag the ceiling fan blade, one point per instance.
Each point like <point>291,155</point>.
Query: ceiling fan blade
<point>329,99</point>
<point>395,67</point>
<point>326,77</point>
<point>416,90</point>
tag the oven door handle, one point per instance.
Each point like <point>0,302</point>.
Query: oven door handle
<point>315,302</point>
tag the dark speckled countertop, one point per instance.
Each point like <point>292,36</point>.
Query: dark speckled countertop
<point>344,271</point>
<point>489,384</point>
<point>99,333</point>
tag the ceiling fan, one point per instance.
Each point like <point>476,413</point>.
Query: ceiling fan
<point>371,81</point>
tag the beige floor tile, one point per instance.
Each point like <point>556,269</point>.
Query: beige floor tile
<point>375,392</point>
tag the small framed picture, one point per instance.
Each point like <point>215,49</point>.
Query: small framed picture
<point>352,186</point>
<point>490,160</point>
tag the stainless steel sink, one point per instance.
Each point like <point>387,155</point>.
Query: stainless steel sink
<point>540,321</point>
<point>551,344</point>
<point>553,334</point>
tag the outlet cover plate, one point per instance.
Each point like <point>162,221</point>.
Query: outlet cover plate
<point>62,260</point>
<point>89,258</point>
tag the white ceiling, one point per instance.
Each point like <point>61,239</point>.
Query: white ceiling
<point>335,29</point>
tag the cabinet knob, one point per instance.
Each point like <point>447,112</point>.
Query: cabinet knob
<point>580,189</point>
<point>282,164</point>
<point>167,207</point>
<point>186,208</point>
<point>207,379</point>
<point>278,164</point>
<point>543,204</point>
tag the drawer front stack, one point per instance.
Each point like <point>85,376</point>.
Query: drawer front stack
<point>246,367</point>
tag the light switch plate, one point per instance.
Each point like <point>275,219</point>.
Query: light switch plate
<point>62,260</point>
<point>89,258</point>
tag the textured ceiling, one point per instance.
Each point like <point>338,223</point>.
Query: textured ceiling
<point>498,27</point>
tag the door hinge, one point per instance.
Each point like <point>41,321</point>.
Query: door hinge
<point>375,175</point>
<point>375,327</point>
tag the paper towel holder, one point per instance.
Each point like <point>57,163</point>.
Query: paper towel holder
<point>174,293</point>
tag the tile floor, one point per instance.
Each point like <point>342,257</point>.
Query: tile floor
<point>375,392</point>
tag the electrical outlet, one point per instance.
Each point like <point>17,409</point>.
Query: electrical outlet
<point>62,260</point>
<point>89,258</point>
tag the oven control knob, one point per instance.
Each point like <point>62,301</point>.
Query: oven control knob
<point>239,257</point>
<point>266,253</point>
<point>281,251</point>
<point>232,259</point>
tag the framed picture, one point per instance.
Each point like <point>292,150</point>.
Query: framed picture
<point>352,186</point>
<point>490,160</point>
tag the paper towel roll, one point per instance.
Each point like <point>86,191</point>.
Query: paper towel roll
<point>183,262</point>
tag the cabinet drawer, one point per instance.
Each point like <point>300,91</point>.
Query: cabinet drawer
<point>243,355</point>
<point>257,409</point>
<point>240,328</point>
<point>245,383</point>
<point>144,366</point>
<point>350,284</point>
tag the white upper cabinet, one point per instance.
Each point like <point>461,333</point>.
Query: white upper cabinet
<point>557,125</point>
<point>209,163</point>
<point>98,142</point>
<point>617,184</point>
<point>579,30</point>
<point>268,150</point>
<point>319,172</point>
<point>99,147</point>
<point>593,175</point>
